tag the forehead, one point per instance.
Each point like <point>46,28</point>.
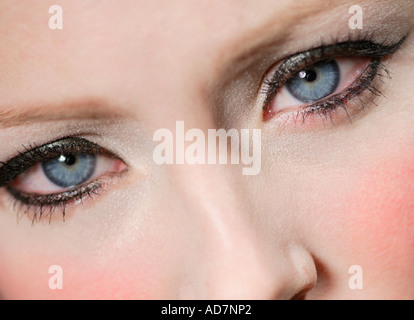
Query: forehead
<point>156,28</point>
<point>104,43</point>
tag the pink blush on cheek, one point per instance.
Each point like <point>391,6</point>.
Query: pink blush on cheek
<point>382,219</point>
<point>110,283</point>
<point>109,279</point>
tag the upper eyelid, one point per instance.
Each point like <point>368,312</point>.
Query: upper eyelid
<point>285,70</point>
<point>349,48</point>
<point>25,160</point>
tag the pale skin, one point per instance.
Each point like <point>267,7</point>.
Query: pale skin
<point>328,196</point>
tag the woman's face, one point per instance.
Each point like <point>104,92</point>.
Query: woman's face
<point>328,215</point>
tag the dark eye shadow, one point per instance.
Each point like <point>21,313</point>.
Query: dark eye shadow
<point>287,69</point>
<point>11,169</point>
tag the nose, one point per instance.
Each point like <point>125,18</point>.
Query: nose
<point>236,258</point>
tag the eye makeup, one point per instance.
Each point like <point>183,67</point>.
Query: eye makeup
<point>50,154</point>
<point>290,68</point>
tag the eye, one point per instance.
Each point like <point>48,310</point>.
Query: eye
<point>328,82</point>
<point>64,173</point>
<point>59,173</point>
<point>319,81</point>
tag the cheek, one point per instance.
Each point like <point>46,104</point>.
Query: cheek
<point>382,218</point>
<point>114,276</point>
<point>120,278</point>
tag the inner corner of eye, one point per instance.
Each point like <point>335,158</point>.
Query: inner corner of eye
<point>318,81</point>
<point>118,165</point>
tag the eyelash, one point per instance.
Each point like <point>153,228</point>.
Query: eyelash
<point>359,47</point>
<point>286,70</point>
<point>38,205</point>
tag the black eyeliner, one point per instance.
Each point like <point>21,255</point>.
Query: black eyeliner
<point>289,68</point>
<point>40,203</point>
<point>11,169</point>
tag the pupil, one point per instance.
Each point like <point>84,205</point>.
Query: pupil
<point>70,160</point>
<point>311,76</point>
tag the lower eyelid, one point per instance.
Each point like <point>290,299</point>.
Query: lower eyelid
<point>39,207</point>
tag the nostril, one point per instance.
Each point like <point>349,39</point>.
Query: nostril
<point>306,275</point>
<point>301,295</point>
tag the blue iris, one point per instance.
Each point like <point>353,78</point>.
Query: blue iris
<point>315,83</point>
<point>69,171</point>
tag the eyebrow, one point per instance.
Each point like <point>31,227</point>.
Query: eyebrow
<point>271,34</point>
<point>291,14</point>
<point>85,109</point>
